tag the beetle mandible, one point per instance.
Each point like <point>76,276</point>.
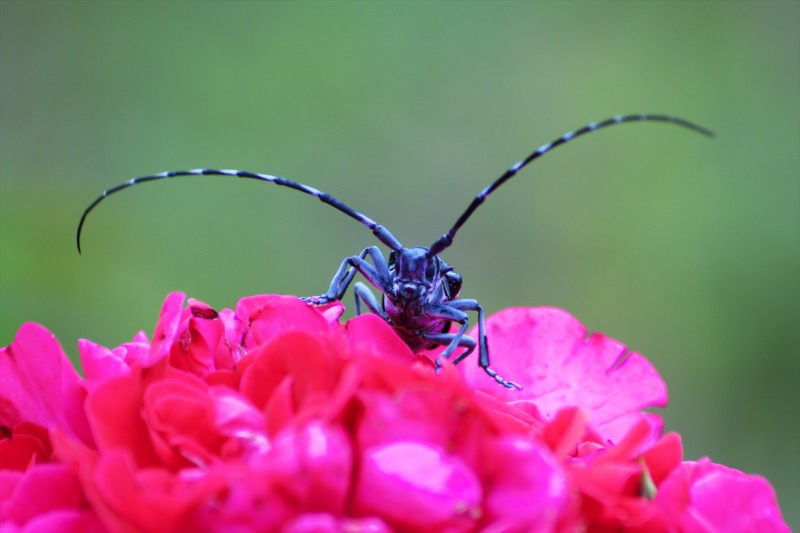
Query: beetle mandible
<point>420,291</point>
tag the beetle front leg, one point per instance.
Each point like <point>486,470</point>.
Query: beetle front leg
<point>456,311</point>
<point>361,292</point>
<point>376,273</point>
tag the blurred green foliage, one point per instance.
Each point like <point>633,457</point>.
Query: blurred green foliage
<point>686,249</point>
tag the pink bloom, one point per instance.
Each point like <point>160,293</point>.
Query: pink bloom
<point>273,416</point>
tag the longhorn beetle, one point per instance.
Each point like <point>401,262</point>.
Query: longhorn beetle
<point>420,291</point>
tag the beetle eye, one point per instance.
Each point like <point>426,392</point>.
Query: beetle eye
<point>430,270</point>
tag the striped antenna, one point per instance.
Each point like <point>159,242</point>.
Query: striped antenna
<point>379,231</point>
<point>447,239</point>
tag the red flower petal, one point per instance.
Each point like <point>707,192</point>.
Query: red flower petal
<point>38,384</point>
<point>310,367</point>
<point>100,363</point>
<point>167,325</point>
<point>418,487</point>
<point>115,411</point>
<point>26,445</point>
<point>547,351</point>
<point>179,414</point>
<point>326,523</point>
<point>370,335</point>
<point>148,500</point>
<point>664,457</point>
<point>240,422</point>
<point>269,316</point>
<point>312,466</point>
<point>528,489</point>
<point>199,346</point>
<point>45,498</point>
<point>703,496</point>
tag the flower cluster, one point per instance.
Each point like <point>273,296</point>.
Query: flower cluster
<point>276,417</point>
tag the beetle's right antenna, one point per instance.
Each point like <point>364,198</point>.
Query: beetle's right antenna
<point>447,239</point>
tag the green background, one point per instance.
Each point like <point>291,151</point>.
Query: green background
<point>684,248</point>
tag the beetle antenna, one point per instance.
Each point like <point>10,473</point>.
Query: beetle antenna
<point>447,239</point>
<point>379,231</point>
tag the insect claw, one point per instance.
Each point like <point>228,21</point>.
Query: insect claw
<point>501,381</point>
<point>511,385</point>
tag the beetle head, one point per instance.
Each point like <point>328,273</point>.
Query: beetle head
<point>416,274</point>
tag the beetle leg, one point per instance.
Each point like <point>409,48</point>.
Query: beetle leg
<point>361,292</point>
<point>376,273</point>
<point>455,311</point>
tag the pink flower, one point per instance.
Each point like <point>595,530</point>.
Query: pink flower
<point>274,416</point>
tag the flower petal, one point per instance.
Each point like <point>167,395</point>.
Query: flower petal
<point>313,466</point>
<point>703,496</point>
<point>39,384</point>
<point>45,498</point>
<point>528,489</point>
<point>25,446</point>
<point>167,325</point>
<point>418,487</point>
<point>546,350</point>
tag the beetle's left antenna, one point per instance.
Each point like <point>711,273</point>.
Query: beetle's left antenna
<point>379,231</point>
<point>447,239</point>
